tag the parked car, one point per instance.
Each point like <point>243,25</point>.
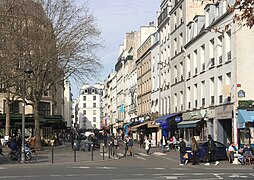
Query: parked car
<point>220,152</point>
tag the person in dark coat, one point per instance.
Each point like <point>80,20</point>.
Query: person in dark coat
<point>194,151</point>
<point>211,151</point>
<point>182,146</point>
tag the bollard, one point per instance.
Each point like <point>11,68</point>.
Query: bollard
<point>75,154</point>
<point>52,153</point>
<point>103,151</point>
<point>92,151</point>
<point>109,150</point>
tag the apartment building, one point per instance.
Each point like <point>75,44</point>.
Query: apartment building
<point>68,104</point>
<point>89,112</point>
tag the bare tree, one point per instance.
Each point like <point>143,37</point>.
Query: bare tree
<point>56,40</point>
<point>243,9</point>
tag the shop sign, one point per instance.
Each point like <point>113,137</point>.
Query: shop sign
<point>178,119</point>
<point>224,112</point>
<point>200,114</point>
<point>241,93</point>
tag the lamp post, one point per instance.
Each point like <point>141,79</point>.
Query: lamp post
<point>27,72</point>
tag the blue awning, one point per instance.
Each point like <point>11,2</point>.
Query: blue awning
<point>188,124</point>
<point>244,116</point>
<point>163,120</point>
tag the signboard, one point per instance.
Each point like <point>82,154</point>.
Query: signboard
<point>241,93</point>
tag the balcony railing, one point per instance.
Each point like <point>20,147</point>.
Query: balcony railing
<point>189,74</point>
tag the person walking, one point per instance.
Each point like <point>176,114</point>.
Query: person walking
<point>194,151</point>
<point>147,145</point>
<point>130,144</point>
<point>115,146</point>
<point>182,146</point>
<point>211,151</point>
<point>125,141</point>
<point>163,144</point>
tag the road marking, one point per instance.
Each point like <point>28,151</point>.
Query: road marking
<point>143,154</point>
<point>159,154</point>
<point>81,167</point>
<point>138,157</point>
<point>105,167</point>
<point>155,168</point>
<point>2,168</point>
<point>171,177</point>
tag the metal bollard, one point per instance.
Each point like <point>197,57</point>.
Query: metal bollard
<point>103,151</point>
<point>52,153</point>
<point>109,150</point>
<point>92,151</point>
<point>75,154</point>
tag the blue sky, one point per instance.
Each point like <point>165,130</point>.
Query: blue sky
<point>114,19</point>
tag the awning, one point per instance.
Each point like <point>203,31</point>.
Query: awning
<point>244,116</point>
<point>163,120</point>
<point>149,124</point>
<point>188,124</point>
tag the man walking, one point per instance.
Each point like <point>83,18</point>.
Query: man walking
<point>211,151</point>
<point>130,144</point>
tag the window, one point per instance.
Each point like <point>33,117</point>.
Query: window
<point>94,119</point>
<point>94,97</point>
<point>14,107</point>
<point>84,98</point>
<point>94,105</point>
<point>94,112</point>
<point>84,112</point>
<point>84,105</point>
<point>44,108</point>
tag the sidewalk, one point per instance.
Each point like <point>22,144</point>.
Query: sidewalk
<point>65,155</point>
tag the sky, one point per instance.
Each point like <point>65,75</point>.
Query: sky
<point>115,18</point>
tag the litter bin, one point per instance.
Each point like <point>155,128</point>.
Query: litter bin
<point>101,147</point>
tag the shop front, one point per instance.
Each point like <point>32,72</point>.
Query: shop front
<point>149,129</point>
<point>224,123</point>
<point>193,125</point>
<point>245,124</point>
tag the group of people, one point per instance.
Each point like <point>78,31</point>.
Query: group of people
<point>194,151</point>
<point>242,155</point>
<point>169,144</point>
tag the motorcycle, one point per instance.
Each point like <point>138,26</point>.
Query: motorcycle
<point>15,155</point>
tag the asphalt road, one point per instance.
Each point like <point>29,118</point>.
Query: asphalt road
<point>138,167</point>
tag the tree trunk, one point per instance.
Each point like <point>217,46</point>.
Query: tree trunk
<point>37,126</point>
<point>7,112</point>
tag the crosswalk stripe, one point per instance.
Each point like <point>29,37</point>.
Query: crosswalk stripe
<point>159,154</point>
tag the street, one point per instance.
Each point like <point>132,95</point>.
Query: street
<point>141,166</point>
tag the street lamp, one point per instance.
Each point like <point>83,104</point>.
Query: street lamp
<point>27,72</point>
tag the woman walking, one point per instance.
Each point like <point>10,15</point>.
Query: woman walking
<point>194,151</point>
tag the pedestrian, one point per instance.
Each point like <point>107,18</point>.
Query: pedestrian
<point>141,141</point>
<point>194,151</point>
<point>115,146</point>
<point>130,144</point>
<point>211,151</point>
<point>125,141</point>
<point>182,146</point>
<point>147,145</point>
<point>163,144</point>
